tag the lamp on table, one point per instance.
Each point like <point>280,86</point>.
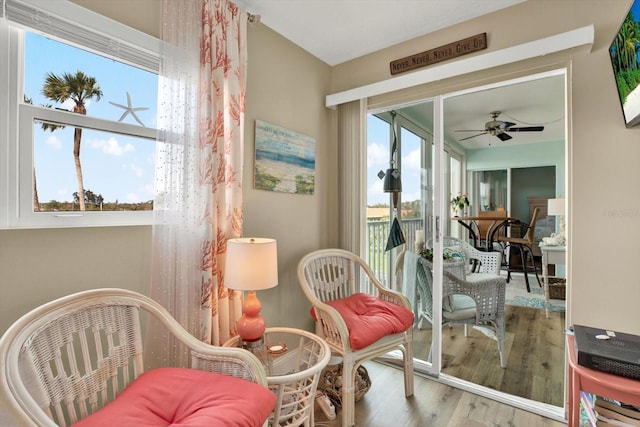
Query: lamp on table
<point>251,265</point>
<point>555,207</point>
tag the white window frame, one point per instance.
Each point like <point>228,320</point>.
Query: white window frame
<point>91,32</point>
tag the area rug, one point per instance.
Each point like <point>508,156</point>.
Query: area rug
<point>517,294</point>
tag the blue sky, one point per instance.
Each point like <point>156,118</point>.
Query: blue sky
<point>115,166</point>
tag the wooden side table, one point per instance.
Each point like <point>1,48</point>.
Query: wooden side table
<point>294,360</point>
<point>584,379</point>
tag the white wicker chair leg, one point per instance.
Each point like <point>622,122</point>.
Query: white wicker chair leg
<point>348,393</point>
<point>408,367</point>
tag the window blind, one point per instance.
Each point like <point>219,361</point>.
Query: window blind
<point>85,29</point>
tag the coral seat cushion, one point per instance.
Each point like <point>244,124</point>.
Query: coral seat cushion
<point>186,397</point>
<point>369,318</point>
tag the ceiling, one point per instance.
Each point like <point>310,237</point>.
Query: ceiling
<point>336,31</point>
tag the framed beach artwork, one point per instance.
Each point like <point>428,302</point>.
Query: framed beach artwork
<point>626,65</point>
<point>285,160</point>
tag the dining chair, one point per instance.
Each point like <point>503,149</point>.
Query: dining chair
<point>524,246</point>
<point>487,227</point>
<point>358,317</point>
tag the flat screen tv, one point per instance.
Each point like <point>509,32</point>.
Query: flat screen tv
<point>626,64</point>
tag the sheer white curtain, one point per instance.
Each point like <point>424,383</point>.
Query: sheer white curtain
<point>198,204</point>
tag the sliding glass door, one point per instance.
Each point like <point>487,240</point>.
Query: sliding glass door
<point>436,164</point>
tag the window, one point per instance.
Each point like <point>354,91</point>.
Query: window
<point>81,114</point>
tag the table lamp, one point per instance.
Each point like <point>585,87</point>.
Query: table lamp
<point>251,265</point>
<point>555,207</point>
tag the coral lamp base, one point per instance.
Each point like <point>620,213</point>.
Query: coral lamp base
<point>251,325</point>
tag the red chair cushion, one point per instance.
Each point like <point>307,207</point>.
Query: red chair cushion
<point>369,318</point>
<point>186,397</point>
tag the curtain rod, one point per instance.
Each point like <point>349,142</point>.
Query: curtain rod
<point>253,19</point>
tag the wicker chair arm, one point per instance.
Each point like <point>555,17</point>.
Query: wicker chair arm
<point>230,361</point>
<point>334,328</point>
<point>394,297</point>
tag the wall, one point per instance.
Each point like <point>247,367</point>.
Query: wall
<point>37,266</point>
<point>602,154</point>
<point>286,86</point>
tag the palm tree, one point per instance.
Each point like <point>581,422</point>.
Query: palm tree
<point>79,88</point>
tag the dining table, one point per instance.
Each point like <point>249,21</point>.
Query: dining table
<point>471,224</point>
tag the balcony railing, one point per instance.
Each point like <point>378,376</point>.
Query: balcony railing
<point>377,235</point>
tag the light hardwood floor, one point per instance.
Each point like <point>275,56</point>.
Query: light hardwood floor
<point>535,370</point>
<point>534,351</point>
<point>433,405</point>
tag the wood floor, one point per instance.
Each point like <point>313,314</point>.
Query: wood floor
<point>534,351</point>
<point>535,370</point>
<point>433,405</point>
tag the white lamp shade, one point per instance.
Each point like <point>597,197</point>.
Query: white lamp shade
<point>555,207</point>
<point>251,264</point>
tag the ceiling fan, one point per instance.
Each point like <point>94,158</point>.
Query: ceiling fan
<point>499,128</point>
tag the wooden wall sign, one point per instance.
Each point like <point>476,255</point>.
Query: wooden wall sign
<point>432,56</point>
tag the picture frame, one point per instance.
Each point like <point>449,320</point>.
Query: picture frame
<point>624,56</point>
<point>284,160</point>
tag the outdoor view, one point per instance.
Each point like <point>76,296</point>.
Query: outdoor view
<point>81,168</point>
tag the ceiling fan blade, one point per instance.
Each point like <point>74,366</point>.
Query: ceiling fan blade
<point>473,136</point>
<point>503,136</point>
<point>470,130</point>
<point>526,129</point>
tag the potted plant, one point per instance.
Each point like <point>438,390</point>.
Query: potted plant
<point>458,204</point>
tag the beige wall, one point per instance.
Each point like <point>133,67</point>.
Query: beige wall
<point>287,87</point>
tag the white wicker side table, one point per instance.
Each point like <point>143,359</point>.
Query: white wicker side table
<point>294,360</point>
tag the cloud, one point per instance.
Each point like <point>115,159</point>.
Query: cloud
<point>411,161</point>
<point>137,170</point>
<point>377,155</point>
<point>111,146</point>
<point>375,193</point>
<point>54,142</point>
<point>62,191</point>
<point>132,198</point>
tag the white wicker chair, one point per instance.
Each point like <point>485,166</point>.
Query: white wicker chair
<point>488,262</point>
<point>332,274</point>
<point>67,358</point>
<point>485,287</point>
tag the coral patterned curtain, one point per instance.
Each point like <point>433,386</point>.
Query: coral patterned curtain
<point>198,204</point>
